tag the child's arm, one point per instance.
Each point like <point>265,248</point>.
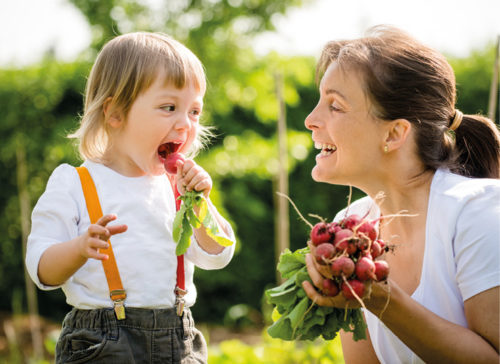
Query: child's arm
<point>191,176</point>
<point>60,261</point>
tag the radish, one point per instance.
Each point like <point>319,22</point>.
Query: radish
<point>376,249</point>
<point>343,265</point>
<point>353,285</point>
<point>381,270</point>
<point>324,252</point>
<point>320,234</point>
<point>367,228</point>
<point>365,269</point>
<point>170,162</point>
<point>351,221</point>
<point>330,288</point>
<point>342,237</point>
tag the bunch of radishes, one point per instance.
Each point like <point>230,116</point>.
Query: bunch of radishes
<point>347,253</point>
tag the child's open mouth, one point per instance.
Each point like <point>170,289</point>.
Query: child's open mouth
<point>167,148</point>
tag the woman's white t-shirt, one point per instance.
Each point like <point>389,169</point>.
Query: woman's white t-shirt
<point>461,258</point>
<point>145,253</point>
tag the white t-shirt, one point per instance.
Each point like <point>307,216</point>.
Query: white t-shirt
<point>461,258</point>
<point>145,253</point>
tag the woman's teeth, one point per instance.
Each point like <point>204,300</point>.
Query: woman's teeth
<point>326,149</point>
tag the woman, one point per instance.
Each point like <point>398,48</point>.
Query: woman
<point>386,122</point>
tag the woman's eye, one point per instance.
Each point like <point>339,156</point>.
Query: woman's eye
<point>335,107</point>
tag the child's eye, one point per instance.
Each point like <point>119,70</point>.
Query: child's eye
<point>168,107</point>
<point>196,112</point>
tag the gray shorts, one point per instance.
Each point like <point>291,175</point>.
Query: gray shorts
<point>144,336</point>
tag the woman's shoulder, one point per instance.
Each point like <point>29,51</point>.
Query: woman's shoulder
<point>463,188</point>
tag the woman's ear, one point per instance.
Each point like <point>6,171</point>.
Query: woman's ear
<point>397,134</point>
<point>112,115</point>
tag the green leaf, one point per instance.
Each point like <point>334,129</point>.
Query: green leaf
<point>212,230</point>
<point>177,227</point>
<point>185,239</point>
<point>193,219</point>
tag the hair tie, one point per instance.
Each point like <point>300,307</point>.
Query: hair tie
<point>457,120</point>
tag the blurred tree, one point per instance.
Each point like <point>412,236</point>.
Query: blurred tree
<point>41,104</point>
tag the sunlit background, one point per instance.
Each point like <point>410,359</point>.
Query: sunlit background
<point>259,57</point>
<point>28,28</point>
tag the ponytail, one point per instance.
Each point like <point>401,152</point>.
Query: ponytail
<point>477,147</point>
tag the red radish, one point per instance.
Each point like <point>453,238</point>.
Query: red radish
<point>351,221</point>
<point>365,269</point>
<point>324,252</point>
<point>382,244</point>
<point>343,265</point>
<point>376,249</point>
<point>333,227</point>
<point>330,288</point>
<point>170,162</point>
<point>381,270</point>
<point>367,228</point>
<point>320,234</point>
<point>357,286</point>
<point>342,236</point>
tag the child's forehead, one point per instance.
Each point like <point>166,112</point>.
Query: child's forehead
<point>164,79</point>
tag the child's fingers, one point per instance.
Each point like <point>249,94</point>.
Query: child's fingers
<point>117,229</point>
<point>104,220</point>
<point>92,250</point>
<point>99,231</point>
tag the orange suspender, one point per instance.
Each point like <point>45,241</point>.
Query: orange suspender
<point>116,291</point>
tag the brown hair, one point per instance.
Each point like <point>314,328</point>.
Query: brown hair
<point>126,66</point>
<point>407,80</point>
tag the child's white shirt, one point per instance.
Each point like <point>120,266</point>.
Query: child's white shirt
<point>145,253</point>
<point>461,258</point>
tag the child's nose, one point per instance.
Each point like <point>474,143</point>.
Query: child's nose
<point>183,122</point>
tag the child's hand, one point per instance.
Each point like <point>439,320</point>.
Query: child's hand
<point>190,176</point>
<point>97,236</point>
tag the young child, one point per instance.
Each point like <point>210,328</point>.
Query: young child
<point>144,98</point>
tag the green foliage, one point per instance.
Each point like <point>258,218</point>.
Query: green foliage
<point>300,318</point>
<point>275,351</point>
<point>41,104</point>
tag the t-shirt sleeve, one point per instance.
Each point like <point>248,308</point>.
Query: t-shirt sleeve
<point>54,218</point>
<point>477,243</point>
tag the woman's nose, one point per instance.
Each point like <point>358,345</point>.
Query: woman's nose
<point>311,121</point>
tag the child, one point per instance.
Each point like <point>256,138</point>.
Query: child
<point>144,98</point>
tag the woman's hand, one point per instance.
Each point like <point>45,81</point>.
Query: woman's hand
<point>319,272</point>
<point>190,176</point>
<point>96,237</point>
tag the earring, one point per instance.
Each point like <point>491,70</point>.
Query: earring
<point>386,148</point>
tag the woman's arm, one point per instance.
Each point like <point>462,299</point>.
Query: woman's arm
<point>360,351</point>
<point>434,339</point>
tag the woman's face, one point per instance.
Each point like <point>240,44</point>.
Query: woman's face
<point>350,139</point>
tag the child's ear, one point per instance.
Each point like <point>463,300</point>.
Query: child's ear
<point>112,114</point>
<point>397,134</point>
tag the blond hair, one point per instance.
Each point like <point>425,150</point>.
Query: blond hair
<point>126,66</point>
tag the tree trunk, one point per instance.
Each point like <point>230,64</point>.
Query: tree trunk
<point>25,211</point>
<point>282,215</point>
